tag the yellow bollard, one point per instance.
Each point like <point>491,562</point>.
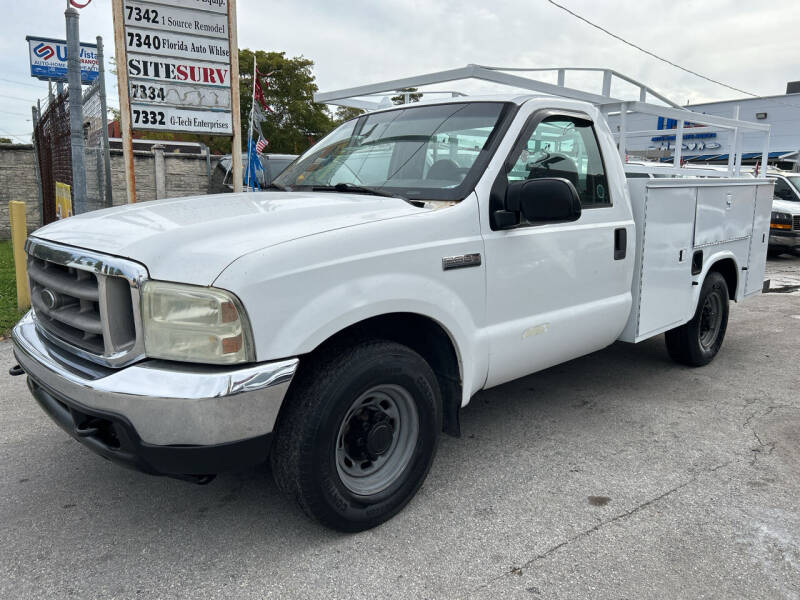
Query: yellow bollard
<point>19,231</point>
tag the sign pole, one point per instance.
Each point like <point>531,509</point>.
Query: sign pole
<point>124,100</point>
<point>101,79</point>
<point>236,141</point>
<point>76,110</point>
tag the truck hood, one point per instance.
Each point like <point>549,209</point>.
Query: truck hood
<point>787,206</point>
<point>193,239</point>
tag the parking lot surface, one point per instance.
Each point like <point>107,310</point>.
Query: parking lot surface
<point>617,475</point>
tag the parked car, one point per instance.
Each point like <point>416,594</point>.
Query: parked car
<point>784,228</point>
<point>273,165</point>
<point>338,323</point>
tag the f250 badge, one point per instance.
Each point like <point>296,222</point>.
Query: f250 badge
<point>461,261</point>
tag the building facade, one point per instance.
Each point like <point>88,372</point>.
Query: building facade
<point>710,145</point>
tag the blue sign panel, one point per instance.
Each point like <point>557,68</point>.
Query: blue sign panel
<point>48,59</point>
<point>692,142</point>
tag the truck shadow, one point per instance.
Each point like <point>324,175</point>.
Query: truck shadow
<point>247,503</point>
<point>551,395</point>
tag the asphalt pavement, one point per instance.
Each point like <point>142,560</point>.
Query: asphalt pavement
<point>618,475</point>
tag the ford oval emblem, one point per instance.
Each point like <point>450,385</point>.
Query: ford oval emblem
<point>49,298</point>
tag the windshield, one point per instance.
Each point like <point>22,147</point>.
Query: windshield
<point>786,189</point>
<point>432,152</point>
<point>795,181</point>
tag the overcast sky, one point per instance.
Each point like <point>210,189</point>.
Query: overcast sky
<point>752,46</point>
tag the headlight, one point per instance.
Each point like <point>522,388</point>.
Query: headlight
<point>194,324</point>
<point>780,221</point>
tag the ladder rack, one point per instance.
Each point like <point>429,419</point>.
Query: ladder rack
<point>364,97</point>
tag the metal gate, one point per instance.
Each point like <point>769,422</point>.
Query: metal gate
<point>52,137</point>
<point>53,152</point>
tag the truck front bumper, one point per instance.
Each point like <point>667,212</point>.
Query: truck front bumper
<point>160,417</point>
<point>786,240</point>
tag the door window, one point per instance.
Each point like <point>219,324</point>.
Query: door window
<point>783,190</point>
<point>567,148</point>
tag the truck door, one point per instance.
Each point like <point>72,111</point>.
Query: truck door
<point>556,291</point>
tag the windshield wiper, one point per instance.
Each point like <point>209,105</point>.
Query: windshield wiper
<point>355,189</point>
<point>360,189</point>
<point>275,186</point>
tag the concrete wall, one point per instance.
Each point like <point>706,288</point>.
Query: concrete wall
<point>18,182</point>
<point>186,175</point>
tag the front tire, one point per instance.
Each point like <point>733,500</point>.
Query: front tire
<point>358,434</point>
<point>697,342</point>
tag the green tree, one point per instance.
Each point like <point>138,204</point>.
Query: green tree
<point>296,121</point>
<point>5,140</point>
<point>345,113</point>
<point>414,95</point>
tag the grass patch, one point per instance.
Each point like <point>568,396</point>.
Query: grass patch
<point>9,314</point>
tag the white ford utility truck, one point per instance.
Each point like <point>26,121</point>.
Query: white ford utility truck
<point>336,323</point>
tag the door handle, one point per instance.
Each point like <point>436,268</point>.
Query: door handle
<point>620,243</point>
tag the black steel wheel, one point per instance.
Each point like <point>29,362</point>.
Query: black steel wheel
<point>358,433</point>
<point>697,342</point>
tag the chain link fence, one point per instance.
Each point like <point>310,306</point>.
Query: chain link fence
<point>98,194</point>
<point>54,154</point>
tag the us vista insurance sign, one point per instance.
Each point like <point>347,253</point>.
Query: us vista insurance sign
<point>178,61</point>
<point>48,59</point>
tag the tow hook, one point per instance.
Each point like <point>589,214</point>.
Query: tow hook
<point>16,371</point>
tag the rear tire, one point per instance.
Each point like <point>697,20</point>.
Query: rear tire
<point>358,434</point>
<point>697,342</point>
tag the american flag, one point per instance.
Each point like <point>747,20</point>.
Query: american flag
<point>261,144</point>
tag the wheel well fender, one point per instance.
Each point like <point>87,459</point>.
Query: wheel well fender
<point>725,264</point>
<point>427,337</point>
<point>729,271</point>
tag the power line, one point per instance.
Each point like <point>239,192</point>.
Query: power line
<point>16,114</point>
<point>640,49</point>
<point>15,136</point>
<point>17,98</point>
<point>17,82</point>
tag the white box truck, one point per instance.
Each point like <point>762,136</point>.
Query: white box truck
<point>337,323</point>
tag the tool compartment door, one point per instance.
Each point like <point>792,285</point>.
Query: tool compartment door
<point>757,261</point>
<point>724,212</point>
<point>666,283</point>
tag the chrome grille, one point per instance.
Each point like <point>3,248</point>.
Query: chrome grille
<point>796,222</point>
<point>67,303</point>
<point>85,302</point>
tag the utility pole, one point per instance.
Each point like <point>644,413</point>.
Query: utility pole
<point>75,111</point>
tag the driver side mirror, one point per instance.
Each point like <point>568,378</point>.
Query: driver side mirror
<point>543,200</point>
